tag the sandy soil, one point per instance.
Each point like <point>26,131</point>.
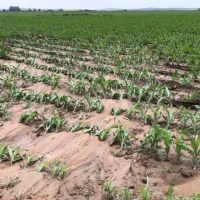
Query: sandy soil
<point>91,162</point>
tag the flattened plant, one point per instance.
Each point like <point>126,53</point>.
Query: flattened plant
<point>29,117</point>
<point>52,124</point>
<point>103,133</point>
<point>58,171</point>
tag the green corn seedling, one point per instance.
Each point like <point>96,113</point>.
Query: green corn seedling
<point>179,146</point>
<point>78,104</point>
<point>52,124</point>
<point>54,81</point>
<point>169,117</point>
<point>43,165</point>
<point>153,137</point>
<point>120,136</point>
<point>91,104</point>
<point>116,111</point>
<point>110,189</point>
<point>99,105</point>
<point>156,115</point>
<point>167,138</point>
<point>127,193</point>
<point>29,161</point>
<point>133,109</point>
<point>144,117</point>
<point>58,171</point>
<point>3,152</point>
<point>145,191</point>
<point>194,126</point>
<point>103,133</point>
<point>183,117</point>
<point>192,95</point>
<point>29,117</point>
<point>194,151</point>
<point>3,111</point>
<point>76,127</point>
<point>14,156</point>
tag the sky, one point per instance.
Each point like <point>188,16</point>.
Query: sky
<point>100,4</point>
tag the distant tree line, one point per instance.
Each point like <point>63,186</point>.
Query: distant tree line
<point>14,8</point>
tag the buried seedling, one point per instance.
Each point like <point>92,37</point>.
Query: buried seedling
<point>56,168</point>
<point>28,161</point>
<point>52,124</point>
<point>29,117</point>
<point>103,133</point>
<point>9,182</point>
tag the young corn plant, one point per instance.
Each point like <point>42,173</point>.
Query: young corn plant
<point>194,126</point>
<point>14,156</point>
<point>154,136</point>
<point>52,124</point>
<point>76,127</point>
<point>103,133</point>
<point>58,171</point>
<point>120,136</point>
<point>43,165</point>
<point>117,111</point>
<point>28,161</point>
<point>3,153</point>
<point>99,105</point>
<point>10,182</point>
<point>145,118</point>
<point>170,194</point>
<point>145,192</point>
<point>78,105</point>
<point>175,76</point>
<point>183,117</point>
<point>29,117</point>
<point>192,95</point>
<point>164,93</point>
<point>91,104</point>
<point>54,81</point>
<point>156,115</point>
<point>127,193</point>
<point>133,109</point>
<point>169,117</point>
<point>3,112</point>
<point>109,189</point>
<point>131,88</point>
<point>141,92</point>
<point>78,87</point>
<point>94,89</point>
<point>3,51</point>
<point>194,149</point>
<point>167,138</point>
<point>179,147</point>
<point>91,130</point>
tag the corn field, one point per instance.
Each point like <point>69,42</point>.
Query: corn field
<point>100,104</point>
